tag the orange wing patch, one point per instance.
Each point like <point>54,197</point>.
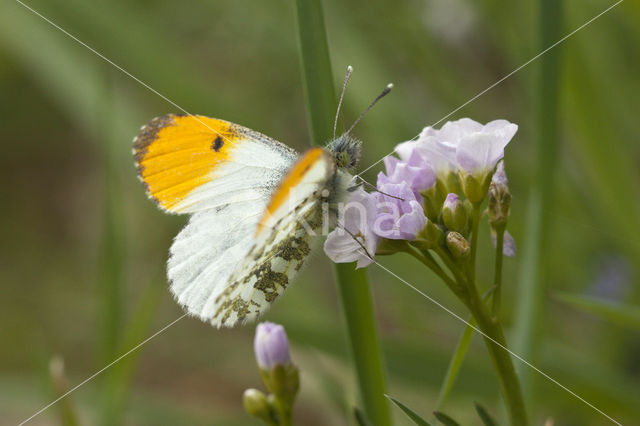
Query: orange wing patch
<point>176,153</point>
<point>292,178</point>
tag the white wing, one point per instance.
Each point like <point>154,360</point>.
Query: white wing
<point>223,174</point>
<point>281,242</point>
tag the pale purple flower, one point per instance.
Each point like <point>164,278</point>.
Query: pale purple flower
<point>400,214</point>
<point>479,147</point>
<point>440,153</point>
<point>463,144</point>
<point>271,346</point>
<point>414,170</point>
<point>508,243</point>
<point>451,202</point>
<point>500,176</point>
<point>353,239</point>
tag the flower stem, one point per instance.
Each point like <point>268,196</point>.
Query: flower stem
<point>353,286</point>
<point>285,412</point>
<point>475,222</point>
<point>451,264</point>
<point>358,311</point>
<point>426,259</point>
<point>497,274</point>
<point>494,335</point>
<point>502,362</point>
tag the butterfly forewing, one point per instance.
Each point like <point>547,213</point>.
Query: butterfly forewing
<point>281,241</point>
<point>224,174</point>
<point>194,163</point>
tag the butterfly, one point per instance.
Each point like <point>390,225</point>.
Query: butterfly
<point>254,204</point>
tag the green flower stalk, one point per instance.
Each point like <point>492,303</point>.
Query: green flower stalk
<point>279,375</point>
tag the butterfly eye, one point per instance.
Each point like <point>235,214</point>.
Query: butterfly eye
<point>343,159</point>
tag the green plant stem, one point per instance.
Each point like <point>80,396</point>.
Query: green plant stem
<point>353,286</point>
<point>494,335</point>
<point>357,305</point>
<point>497,274</point>
<point>426,259</point>
<point>285,412</point>
<point>451,264</point>
<point>475,222</point>
<point>502,362</point>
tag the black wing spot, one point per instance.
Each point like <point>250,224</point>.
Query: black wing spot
<point>217,144</point>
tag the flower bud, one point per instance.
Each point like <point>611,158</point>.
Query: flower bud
<point>256,404</point>
<point>278,374</point>
<point>454,214</point>
<point>499,198</point>
<point>429,237</point>
<point>457,245</point>
<point>474,187</point>
<point>271,346</point>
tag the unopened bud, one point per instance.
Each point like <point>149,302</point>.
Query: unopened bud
<point>474,187</point>
<point>283,381</point>
<point>457,245</point>
<point>256,404</point>
<point>454,214</point>
<point>499,198</point>
<point>271,346</point>
<point>429,237</point>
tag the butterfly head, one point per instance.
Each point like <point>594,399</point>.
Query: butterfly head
<point>346,151</point>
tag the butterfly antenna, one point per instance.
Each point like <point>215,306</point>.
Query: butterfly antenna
<point>384,93</point>
<point>344,88</point>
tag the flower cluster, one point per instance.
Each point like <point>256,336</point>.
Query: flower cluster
<point>434,180</point>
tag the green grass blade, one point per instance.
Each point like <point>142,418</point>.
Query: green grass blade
<point>415,417</point>
<point>529,304</point>
<point>317,77</point>
<point>444,419</point>
<point>621,314</point>
<point>455,364</point>
<point>361,420</point>
<point>487,420</point>
<point>352,284</point>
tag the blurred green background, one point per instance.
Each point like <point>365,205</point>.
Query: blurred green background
<point>83,251</point>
